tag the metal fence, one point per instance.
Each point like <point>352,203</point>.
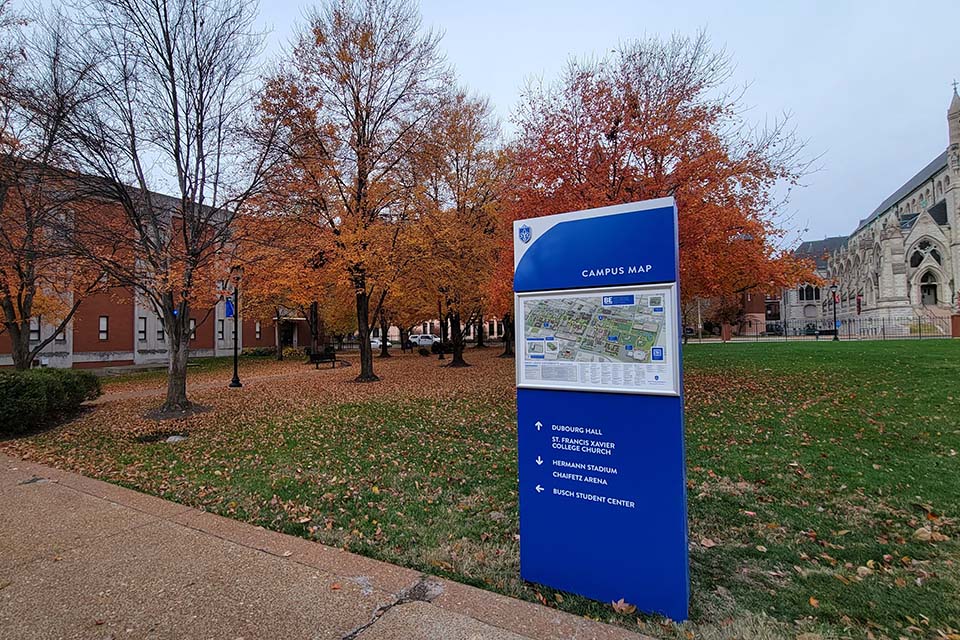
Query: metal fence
<point>894,328</point>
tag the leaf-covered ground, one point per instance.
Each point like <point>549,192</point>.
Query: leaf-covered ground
<point>823,479</point>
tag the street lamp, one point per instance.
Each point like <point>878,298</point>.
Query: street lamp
<point>236,273</point>
<point>833,296</point>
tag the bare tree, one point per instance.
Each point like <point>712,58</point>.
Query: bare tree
<point>164,108</point>
<point>365,81</point>
<point>39,282</point>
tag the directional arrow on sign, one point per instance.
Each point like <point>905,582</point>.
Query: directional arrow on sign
<point>539,460</point>
<point>538,424</point>
<point>539,489</point>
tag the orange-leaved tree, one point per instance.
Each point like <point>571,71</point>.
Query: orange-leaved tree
<point>354,101</point>
<point>461,173</point>
<point>653,120</point>
<point>288,270</point>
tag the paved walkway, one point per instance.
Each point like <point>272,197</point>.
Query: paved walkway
<point>80,558</point>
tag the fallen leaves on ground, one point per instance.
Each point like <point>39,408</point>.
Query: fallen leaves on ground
<point>819,474</point>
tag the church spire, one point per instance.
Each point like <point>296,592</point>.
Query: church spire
<point>953,128</point>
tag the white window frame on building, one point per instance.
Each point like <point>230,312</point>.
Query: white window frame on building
<point>193,328</point>
<point>256,329</point>
<point>161,333</point>
<point>103,328</point>
<point>35,329</point>
<point>141,329</point>
<point>221,329</point>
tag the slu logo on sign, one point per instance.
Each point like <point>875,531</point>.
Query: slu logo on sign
<point>526,233</point>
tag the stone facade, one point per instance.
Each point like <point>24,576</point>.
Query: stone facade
<point>802,308</point>
<point>901,260</point>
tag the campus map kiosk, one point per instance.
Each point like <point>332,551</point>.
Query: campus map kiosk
<point>600,405</point>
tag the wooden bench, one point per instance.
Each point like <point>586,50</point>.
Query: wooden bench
<point>327,355</point>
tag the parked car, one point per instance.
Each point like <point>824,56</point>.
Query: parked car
<point>375,343</point>
<point>422,340</point>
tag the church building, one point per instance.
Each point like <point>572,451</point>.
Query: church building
<point>903,260</point>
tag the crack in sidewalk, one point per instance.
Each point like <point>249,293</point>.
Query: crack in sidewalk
<point>423,590</point>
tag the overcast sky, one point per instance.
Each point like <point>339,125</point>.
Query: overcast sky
<point>867,83</point>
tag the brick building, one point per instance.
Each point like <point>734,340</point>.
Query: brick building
<point>116,329</point>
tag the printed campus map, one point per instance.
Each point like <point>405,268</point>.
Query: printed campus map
<point>587,330</point>
<point>613,341</point>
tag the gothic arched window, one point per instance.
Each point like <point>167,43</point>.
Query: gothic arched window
<point>925,248</point>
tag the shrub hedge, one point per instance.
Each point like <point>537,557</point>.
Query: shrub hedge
<point>30,399</point>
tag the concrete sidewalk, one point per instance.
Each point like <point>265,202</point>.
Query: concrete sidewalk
<point>80,558</point>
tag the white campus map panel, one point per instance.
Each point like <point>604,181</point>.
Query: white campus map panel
<point>621,340</point>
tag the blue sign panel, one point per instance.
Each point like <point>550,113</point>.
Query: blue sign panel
<point>600,406</point>
<point>228,308</point>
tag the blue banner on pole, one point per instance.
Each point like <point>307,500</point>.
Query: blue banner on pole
<point>600,405</point>
<point>228,308</point>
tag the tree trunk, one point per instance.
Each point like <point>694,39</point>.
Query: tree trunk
<point>507,336</point>
<point>456,339</point>
<point>404,337</point>
<point>276,334</point>
<point>363,329</point>
<point>479,328</point>
<point>384,328</point>
<point>178,331</point>
<point>440,319</point>
<point>20,344</point>
<point>314,327</point>
<point>20,348</point>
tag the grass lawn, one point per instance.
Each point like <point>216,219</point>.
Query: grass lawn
<point>811,468</point>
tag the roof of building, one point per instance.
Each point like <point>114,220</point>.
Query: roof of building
<point>955,102</point>
<point>939,212</point>
<point>924,174</point>
<point>818,250</point>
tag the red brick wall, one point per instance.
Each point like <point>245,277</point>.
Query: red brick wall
<point>754,302</point>
<point>117,305</point>
<point>303,333</point>
<point>267,338</point>
<point>206,325</point>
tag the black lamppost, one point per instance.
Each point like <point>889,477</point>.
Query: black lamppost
<point>833,296</point>
<point>236,273</point>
